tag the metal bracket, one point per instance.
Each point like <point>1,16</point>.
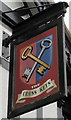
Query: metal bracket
<point>5,58</point>
<point>59,7</point>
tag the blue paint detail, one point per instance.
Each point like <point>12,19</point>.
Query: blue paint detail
<point>46,57</point>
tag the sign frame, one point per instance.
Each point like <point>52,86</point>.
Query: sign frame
<point>62,67</point>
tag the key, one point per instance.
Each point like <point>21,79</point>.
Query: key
<point>30,48</point>
<point>28,53</point>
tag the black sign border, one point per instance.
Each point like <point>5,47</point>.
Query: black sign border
<point>52,98</point>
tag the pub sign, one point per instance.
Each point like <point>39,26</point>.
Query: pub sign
<point>37,70</point>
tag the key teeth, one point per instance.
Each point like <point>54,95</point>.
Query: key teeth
<point>40,73</point>
<point>25,76</point>
<point>41,70</point>
<point>26,73</point>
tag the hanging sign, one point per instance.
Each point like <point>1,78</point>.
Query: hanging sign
<point>37,71</point>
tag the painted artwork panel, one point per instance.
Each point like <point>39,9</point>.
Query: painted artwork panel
<point>36,68</point>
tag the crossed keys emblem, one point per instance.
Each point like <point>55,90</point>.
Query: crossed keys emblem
<point>27,53</point>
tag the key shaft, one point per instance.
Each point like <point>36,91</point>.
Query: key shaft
<point>39,61</point>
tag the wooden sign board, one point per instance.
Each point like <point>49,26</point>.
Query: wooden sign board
<point>37,69</point>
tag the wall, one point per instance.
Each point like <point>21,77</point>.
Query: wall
<point>70,16</point>
<point>3,77</point>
